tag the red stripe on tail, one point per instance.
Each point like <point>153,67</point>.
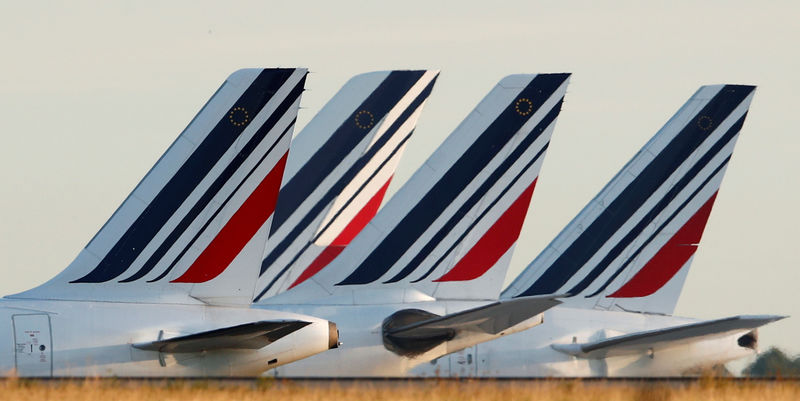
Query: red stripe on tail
<point>494,243</point>
<point>327,256</point>
<point>238,231</point>
<point>670,258</point>
<point>362,218</point>
<point>343,239</point>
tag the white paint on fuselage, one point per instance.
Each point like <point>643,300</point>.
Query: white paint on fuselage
<point>95,339</point>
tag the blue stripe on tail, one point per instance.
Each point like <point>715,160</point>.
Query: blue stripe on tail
<point>463,171</point>
<point>185,180</point>
<point>636,193</point>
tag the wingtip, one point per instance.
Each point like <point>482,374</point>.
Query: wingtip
<point>765,318</point>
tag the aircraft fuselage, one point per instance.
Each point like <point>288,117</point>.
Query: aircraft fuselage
<point>47,338</point>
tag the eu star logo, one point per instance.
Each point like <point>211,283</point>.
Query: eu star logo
<point>238,116</point>
<point>704,123</point>
<point>364,119</point>
<point>523,106</point>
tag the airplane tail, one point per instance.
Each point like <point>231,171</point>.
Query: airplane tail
<point>194,227</point>
<point>631,247</point>
<point>339,168</point>
<point>450,230</point>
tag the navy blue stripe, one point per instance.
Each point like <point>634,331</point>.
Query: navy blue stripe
<point>453,182</point>
<point>337,188</point>
<point>344,180</point>
<point>185,180</point>
<point>484,213</point>
<point>412,108</point>
<point>225,202</point>
<point>658,208</point>
<point>660,228</point>
<point>308,244</point>
<point>476,197</point>
<point>162,156</point>
<point>636,193</point>
<point>217,185</point>
<point>361,188</point>
<point>330,155</point>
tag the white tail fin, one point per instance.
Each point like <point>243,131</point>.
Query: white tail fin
<point>632,245</point>
<point>339,167</point>
<point>450,230</point>
<point>196,225</point>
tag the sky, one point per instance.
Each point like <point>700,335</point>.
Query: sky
<point>92,93</point>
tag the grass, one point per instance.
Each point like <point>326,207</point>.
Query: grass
<point>444,390</point>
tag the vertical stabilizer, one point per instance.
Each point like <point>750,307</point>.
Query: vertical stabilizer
<point>194,228</point>
<point>450,230</point>
<point>338,170</point>
<point>631,247</point>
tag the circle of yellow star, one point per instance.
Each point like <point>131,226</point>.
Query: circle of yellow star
<point>238,116</point>
<point>364,119</point>
<point>523,106</point>
<point>704,123</point>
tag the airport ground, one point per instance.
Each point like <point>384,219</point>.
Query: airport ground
<point>398,390</point>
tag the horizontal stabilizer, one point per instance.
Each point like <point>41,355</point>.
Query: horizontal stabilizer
<point>492,318</point>
<point>644,341</point>
<point>413,331</point>
<point>253,335</point>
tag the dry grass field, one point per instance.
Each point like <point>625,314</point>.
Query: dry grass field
<point>445,390</point>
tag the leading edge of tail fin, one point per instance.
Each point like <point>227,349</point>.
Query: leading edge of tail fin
<point>195,227</point>
<point>338,170</point>
<point>631,247</point>
<point>450,230</point>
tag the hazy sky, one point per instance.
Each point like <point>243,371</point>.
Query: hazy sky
<point>91,94</point>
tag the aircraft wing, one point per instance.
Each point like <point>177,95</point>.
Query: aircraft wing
<point>252,335</point>
<point>491,319</point>
<point>640,342</point>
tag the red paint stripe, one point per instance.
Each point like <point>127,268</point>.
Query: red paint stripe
<point>326,256</point>
<point>670,258</point>
<point>238,231</point>
<point>362,218</point>
<point>343,239</point>
<point>494,243</point>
